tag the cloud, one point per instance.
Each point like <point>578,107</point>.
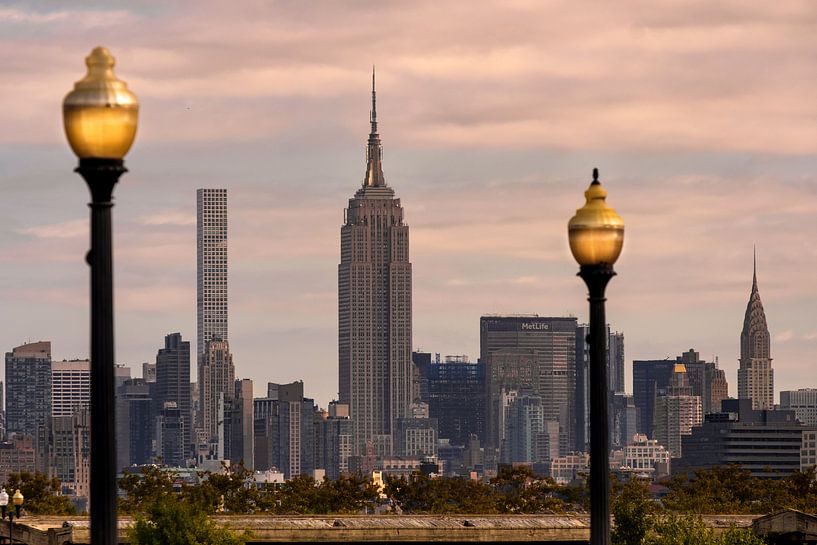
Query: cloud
<point>62,230</point>
<point>170,217</point>
<point>784,336</point>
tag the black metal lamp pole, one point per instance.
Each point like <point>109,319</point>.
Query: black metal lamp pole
<point>101,175</point>
<point>596,236</point>
<point>596,277</point>
<point>100,116</point>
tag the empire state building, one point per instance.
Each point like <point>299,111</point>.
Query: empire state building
<point>755,374</point>
<point>374,306</point>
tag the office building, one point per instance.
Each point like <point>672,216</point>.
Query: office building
<point>16,456</point>
<point>648,455</point>
<point>651,378</point>
<point>238,425</point>
<point>135,423</point>
<point>334,446</point>
<point>216,379</point>
<point>615,377</point>
<point>455,392</point>
<point>623,419</point>
<point>170,433</point>
<point>28,396</point>
<point>173,387</point>
<point>532,353</point>
<point>71,451</point>
<point>70,386</point>
<point>374,306</point>
<point>705,380</point>
<point>767,443</point>
<point>211,260</point>
<point>529,437</point>
<point>284,428</point>
<point>808,448</point>
<point>803,402</point>
<point>416,437</point>
<point>755,374</point>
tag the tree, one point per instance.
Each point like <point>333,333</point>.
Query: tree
<point>171,521</point>
<point>42,495</point>
<point>633,512</point>
<point>144,489</point>
<point>231,490</point>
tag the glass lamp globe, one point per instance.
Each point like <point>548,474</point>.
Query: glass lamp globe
<point>100,113</point>
<point>18,498</point>
<point>4,498</point>
<point>596,232</point>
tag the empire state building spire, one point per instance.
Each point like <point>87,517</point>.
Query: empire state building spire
<point>755,375</point>
<point>374,151</point>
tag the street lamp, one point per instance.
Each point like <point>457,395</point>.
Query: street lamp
<point>596,235</point>
<point>17,501</point>
<point>100,117</point>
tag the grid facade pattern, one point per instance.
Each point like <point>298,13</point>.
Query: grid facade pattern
<point>211,255</point>
<point>216,378</point>
<point>28,392</point>
<point>803,402</point>
<point>173,387</point>
<point>536,353</point>
<point>70,386</point>
<point>374,309</point>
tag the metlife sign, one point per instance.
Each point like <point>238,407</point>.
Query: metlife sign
<point>534,326</point>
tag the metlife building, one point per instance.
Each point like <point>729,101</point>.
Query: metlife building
<point>529,355</point>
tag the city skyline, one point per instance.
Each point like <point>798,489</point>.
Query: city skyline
<point>702,158</point>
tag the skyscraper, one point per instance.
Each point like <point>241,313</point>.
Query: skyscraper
<point>216,378</point>
<point>70,386</point>
<point>374,306</point>
<point>173,390</point>
<point>530,352</point>
<point>755,374</point>
<point>211,279</point>
<point>28,395</point>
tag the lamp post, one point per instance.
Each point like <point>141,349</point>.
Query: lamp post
<point>17,501</point>
<point>596,235</point>
<point>100,116</point>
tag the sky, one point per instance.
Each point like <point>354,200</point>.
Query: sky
<point>699,115</point>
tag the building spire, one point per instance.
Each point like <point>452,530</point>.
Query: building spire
<point>374,150</point>
<point>754,268</point>
<point>373,113</point>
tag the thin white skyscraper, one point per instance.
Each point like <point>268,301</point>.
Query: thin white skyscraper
<point>211,281</point>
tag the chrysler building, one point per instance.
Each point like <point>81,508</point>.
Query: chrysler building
<point>755,375</point>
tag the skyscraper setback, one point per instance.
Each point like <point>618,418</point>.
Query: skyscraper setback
<point>755,374</point>
<point>374,306</point>
<point>211,279</point>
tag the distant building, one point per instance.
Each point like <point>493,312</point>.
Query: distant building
<point>334,447</point>
<point>135,423</point>
<point>615,377</point>
<point>71,452</point>
<point>455,392</point>
<point>803,402</point>
<point>416,437</point>
<point>651,378</point>
<point>538,353</point>
<point>28,396</point>
<point>170,433</point>
<point>529,437</point>
<point>16,456</point>
<point>755,374</point>
<point>216,378</point>
<point>624,419</point>
<point>70,386</point>
<point>375,372</point>
<point>808,449</point>
<point>676,412</point>
<point>211,268</point>
<point>768,443</point>
<point>238,423</point>
<point>173,386</point>
<point>570,467</point>
<point>284,430</point>
<point>705,380</point>
<point>149,372</point>
<point>647,454</point>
